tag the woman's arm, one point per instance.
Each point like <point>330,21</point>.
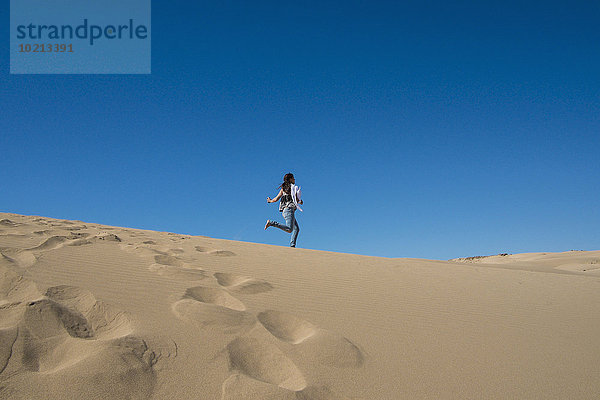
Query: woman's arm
<point>270,200</point>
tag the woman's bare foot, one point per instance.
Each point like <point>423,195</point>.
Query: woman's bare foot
<point>268,224</point>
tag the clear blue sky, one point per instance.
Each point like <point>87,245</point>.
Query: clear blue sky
<point>428,129</point>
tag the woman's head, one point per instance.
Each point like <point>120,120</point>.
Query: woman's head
<point>288,180</point>
<point>289,177</point>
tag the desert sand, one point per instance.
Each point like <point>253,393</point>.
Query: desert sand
<point>89,311</point>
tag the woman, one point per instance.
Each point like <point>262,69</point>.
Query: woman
<point>289,194</point>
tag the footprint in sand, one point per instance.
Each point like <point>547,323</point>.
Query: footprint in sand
<point>260,368</point>
<point>214,307</point>
<point>208,316</point>
<point>173,267</point>
<point>50,244</point>
<point>58,241</point>
<point>166,259</point>
<point>145,251</point>
<point>187,274</point>
<point>214,296</point>
<point>68,326</point>
<point>35,360</point>
<point>214,252</point>
<point>240,386</point>
<point>287,327</point>
<point>81,239</point>
<point>15,291</point>
<point>18,257</point>
<point>327,347</point>
<point>28,256</point>
<point>242,284</point>
<point>8,223</point>
<point>11,314</point>
<point>149,250</point>
<point>73,239</point>
<point>100,320</point>
<point>166,263</point>
<point>45,319</point>
<point>8,337</point>
<point>264,362</point>
<point>332,349</point>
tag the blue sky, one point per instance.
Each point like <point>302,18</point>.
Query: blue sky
<point>425,129</point>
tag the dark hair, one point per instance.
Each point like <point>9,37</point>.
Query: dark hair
<point>287,182</point>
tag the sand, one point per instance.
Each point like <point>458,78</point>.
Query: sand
<point>89,311</point>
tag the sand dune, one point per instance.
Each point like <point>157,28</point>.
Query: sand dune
<point>569,261</point>
<point>96,312</point>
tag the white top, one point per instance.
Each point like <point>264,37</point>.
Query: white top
<point>296,194</point>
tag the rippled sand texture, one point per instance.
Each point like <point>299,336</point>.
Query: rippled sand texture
<point>89,311</point>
